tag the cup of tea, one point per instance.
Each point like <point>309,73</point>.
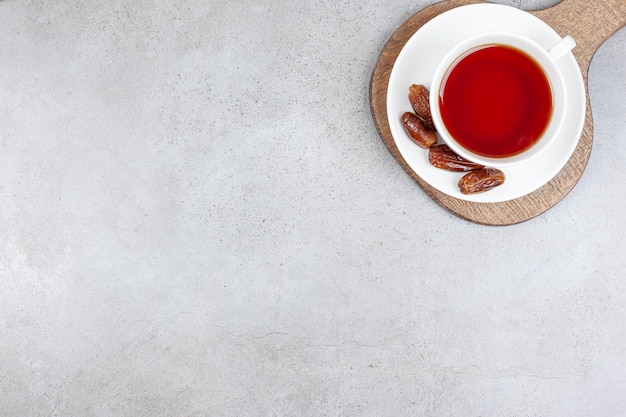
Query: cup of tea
<point>499,98</point>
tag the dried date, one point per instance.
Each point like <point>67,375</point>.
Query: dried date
<point>481,180</point>
<point>418,131</point>
<point>441,156</point>
<point>419,99</point>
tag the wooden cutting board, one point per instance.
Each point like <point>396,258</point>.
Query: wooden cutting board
<point>589,22</point>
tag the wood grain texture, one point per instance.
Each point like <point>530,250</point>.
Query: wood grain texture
<point>589,23</point>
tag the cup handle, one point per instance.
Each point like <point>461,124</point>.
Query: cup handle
<point>562,47</point>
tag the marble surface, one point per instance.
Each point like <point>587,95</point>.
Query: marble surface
<point>198,218</point>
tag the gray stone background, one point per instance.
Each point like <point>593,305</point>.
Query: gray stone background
<point>198,218</point>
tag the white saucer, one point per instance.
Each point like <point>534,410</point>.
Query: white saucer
<point>416,64</point>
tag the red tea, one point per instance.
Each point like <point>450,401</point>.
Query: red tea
<point>496,101</point>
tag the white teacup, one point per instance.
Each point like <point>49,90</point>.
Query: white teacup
<point>545,59</point>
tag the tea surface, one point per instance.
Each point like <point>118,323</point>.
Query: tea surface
<point>496,101</point>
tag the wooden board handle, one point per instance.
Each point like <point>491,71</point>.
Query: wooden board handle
<point>590,23</point>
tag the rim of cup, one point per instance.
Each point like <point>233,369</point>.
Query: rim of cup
<point>546,58</point>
